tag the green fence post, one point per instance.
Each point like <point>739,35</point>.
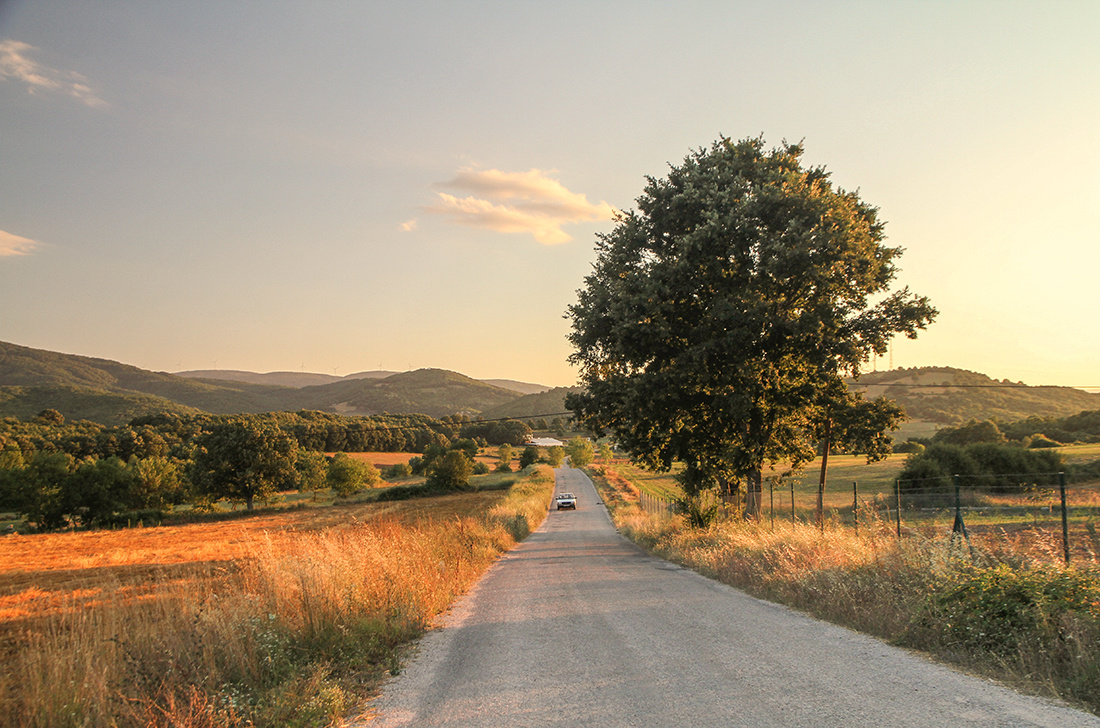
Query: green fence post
<point>1065,517</point>
<point>959,527</point>
<point>897,492</point>
<point>855,506</point>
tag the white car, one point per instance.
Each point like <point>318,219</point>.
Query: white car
<point>567,500</point>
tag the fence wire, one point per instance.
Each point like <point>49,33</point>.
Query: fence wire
<point>1041,514</point>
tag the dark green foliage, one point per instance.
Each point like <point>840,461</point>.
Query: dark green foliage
<point>699,510</point>
<point>721,318</point>
<point>467,446</point>
<point>243,460</point>
<point>1039,440</point>
<point>993,610</point>
<point>1081,427</point>
<point>311,471</point>
<point>347,476</point>
<point>39,490</point>
<point>529,456</point>
<point>970,433</point>
<point>997,466</point>
<point>1082,472</point>
<point>506,432</point>
<point>450,472</point>
<point>397,470</point>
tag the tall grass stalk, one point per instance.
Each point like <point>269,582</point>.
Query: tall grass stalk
<point>1028,622</point>
<point>292,637</point>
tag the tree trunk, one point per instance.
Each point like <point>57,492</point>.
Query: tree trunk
<point>753,492</point>
<point>248,502</point>
<point>827,445</point>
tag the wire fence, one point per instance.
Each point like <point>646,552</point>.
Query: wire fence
<point>657,506</point>
<point>1039,514</point>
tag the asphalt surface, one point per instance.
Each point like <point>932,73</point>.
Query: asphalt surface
<point>578,627</point>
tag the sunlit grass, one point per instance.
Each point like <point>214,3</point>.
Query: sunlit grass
<point>281,619</point>
<point>927,590</point>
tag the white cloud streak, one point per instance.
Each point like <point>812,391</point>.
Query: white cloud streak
<point>15,245</point>
<point>16,65</point>
<point>517,202</point>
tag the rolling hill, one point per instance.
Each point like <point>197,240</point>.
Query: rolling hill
<point>540,404</point>
<point>948,396</point>
<point>434,392</point>
<point>111,392</point>
<point>280,379</point>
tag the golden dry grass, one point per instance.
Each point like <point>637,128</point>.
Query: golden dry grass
<point>899,589</point>
<point>381,459</point>
<point>271,620</point>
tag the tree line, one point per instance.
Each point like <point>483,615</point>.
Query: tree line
<point>57,473</point>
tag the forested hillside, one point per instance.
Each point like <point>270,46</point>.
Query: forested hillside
<point>542,404</point>
<point>949,396</point>
<point>112,393</point>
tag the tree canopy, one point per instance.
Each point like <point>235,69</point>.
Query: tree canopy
<point>244,460</point>
<point>722,316</point>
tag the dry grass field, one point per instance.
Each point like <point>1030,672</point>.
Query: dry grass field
<point>1028,523</point>
<point>282,618</point>
<point>1006,608</point>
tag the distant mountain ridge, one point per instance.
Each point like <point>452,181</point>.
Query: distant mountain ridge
<point>949,396</point>
<point>113,393</point>
<point>308,379</point>
<point>280,379</point>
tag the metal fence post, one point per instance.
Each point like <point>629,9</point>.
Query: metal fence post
<point>855,506</point>
<point>959,527</point>
<point>771,496</point>
<point>1065,517</point>
<point>792,501</point>
<point>897,492</point>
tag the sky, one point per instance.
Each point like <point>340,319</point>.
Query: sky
<point>338,187</point>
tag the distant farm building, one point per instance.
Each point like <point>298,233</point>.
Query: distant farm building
<point>545,442</point>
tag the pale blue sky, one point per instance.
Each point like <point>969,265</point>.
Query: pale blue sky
<point>339,187</point>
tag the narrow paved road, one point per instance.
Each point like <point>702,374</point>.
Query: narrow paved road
<point>577,627</point>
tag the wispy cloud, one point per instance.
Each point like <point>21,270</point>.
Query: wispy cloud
<point>16,65</point>
<point>517,202</point>
<point>409,225</point>
<point>15,245</point>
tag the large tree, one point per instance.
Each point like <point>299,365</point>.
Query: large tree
<point>243,460</point>
<point>723,315</point>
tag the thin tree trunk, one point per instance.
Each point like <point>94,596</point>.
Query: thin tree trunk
<point>753,492</point>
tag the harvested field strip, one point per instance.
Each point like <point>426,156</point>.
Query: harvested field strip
<point>280,619</point>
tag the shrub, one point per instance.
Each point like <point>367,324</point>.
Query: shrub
<point>398,470</point>
<point>1039,440</point>
<point>451,472</point>
<point>998,466</point>
<point>529,456</point>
